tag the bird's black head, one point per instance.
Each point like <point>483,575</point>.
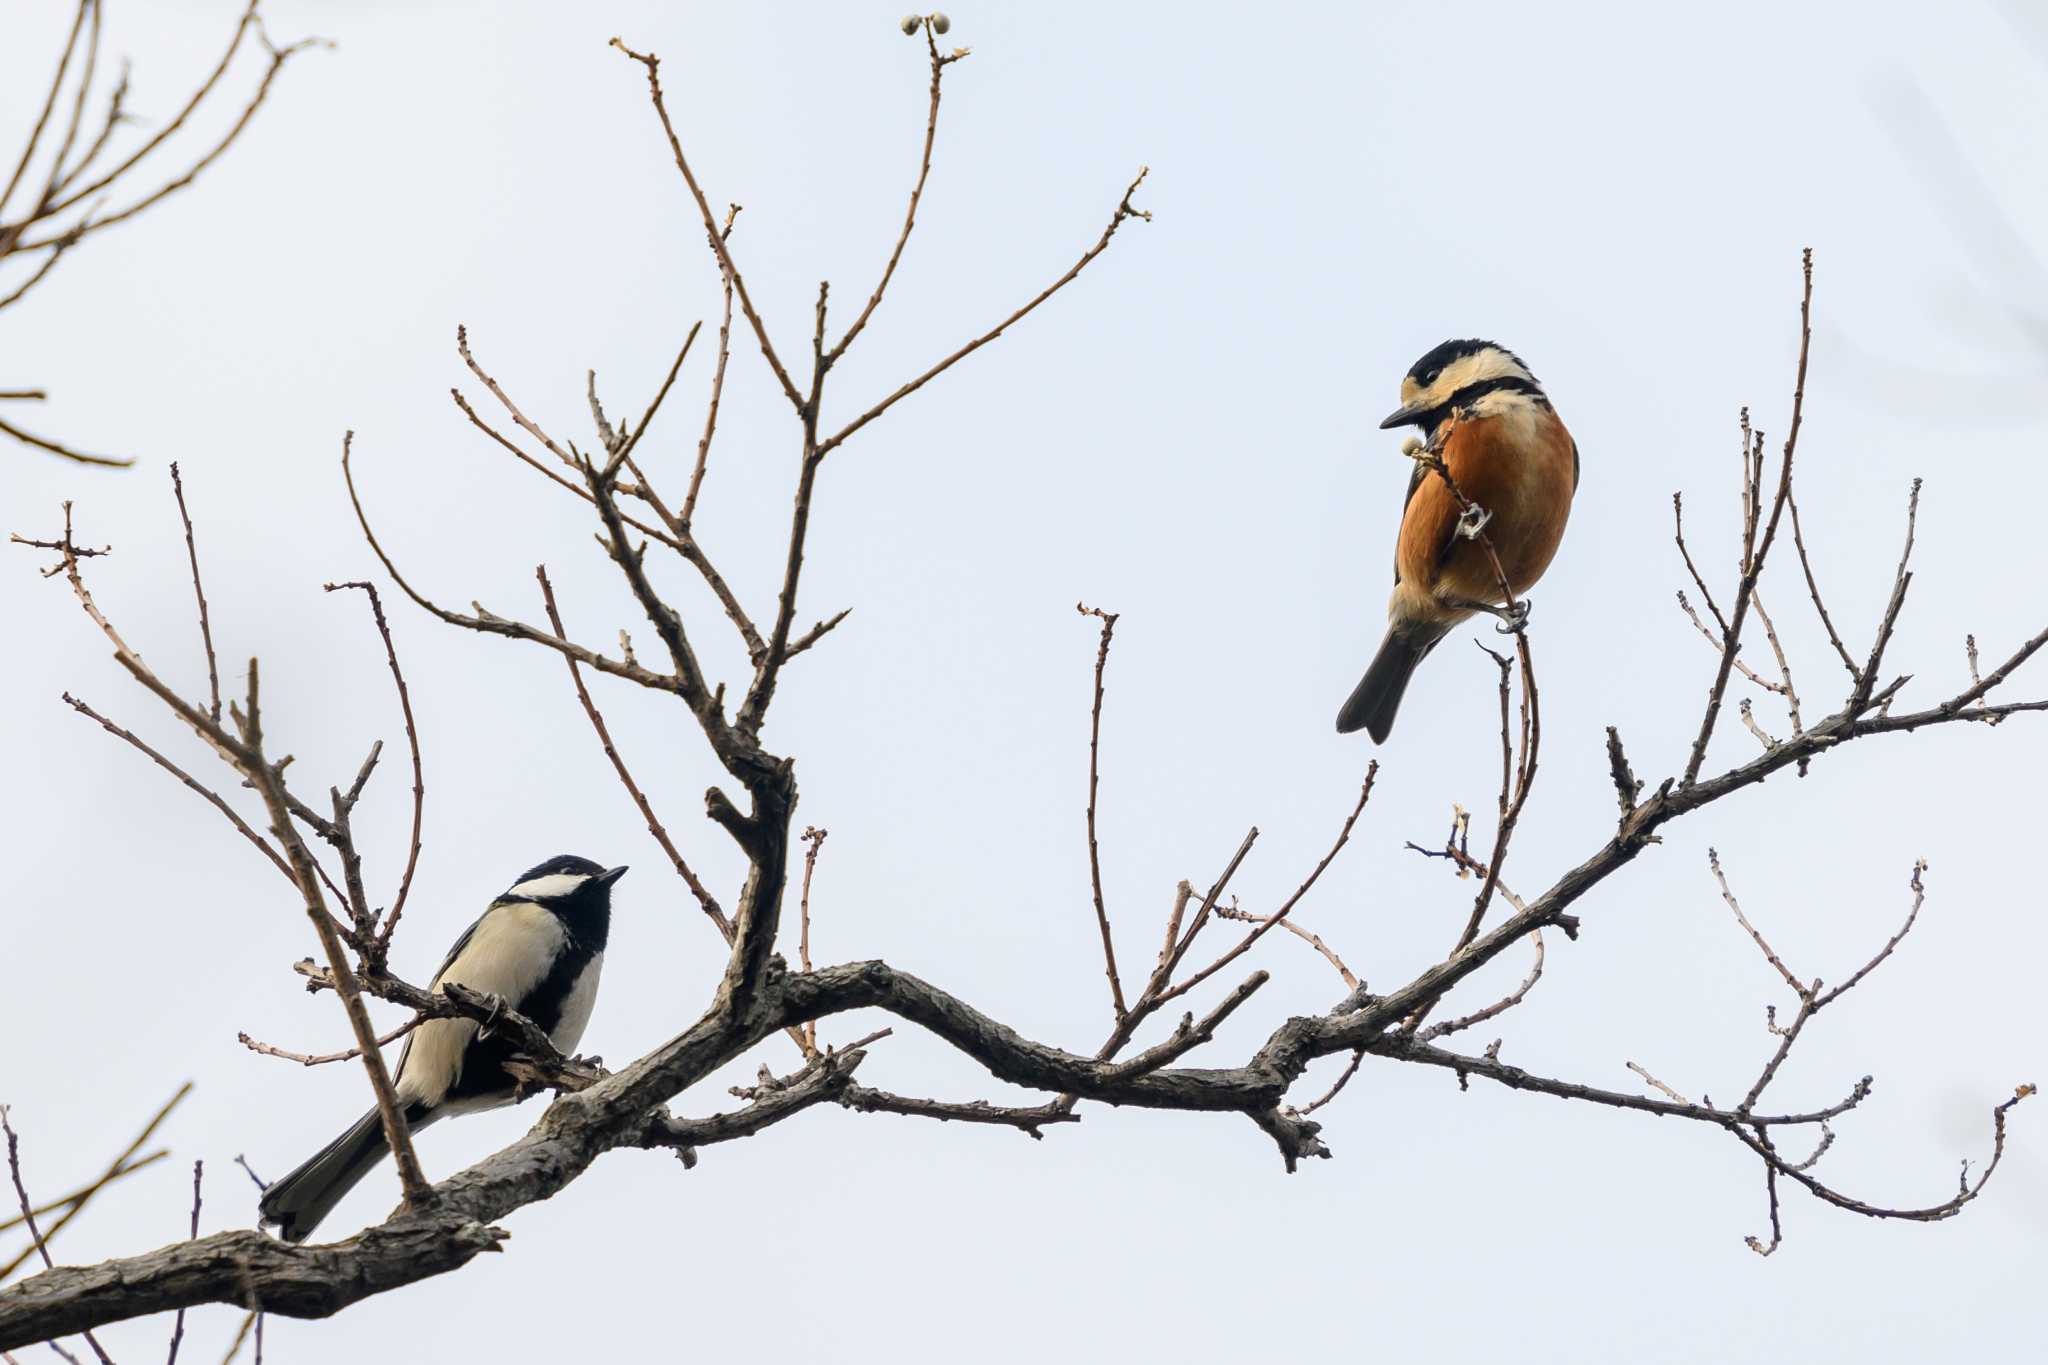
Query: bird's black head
<point>1455,372</point>
<point>565,880</point>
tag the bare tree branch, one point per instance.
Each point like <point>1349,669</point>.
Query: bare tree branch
<point>709,902</point>
<point>924,170</point>
<point>69,1206</point>
<point>1108,619</point>
<point>28,1216</point>
<point>412,740</point>
<point>68,205</point>
<point>1754,549</point>
<point>1123,211</point>
<point>732,272</point>
<point>595,1111</point>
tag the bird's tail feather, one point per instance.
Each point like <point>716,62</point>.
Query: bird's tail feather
<point>295,1204</point>
<point>1372,704</point>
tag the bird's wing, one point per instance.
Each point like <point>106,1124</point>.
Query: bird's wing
<point>1429,520</point>
<point>453,953</point>
<point>1414,482</point>
<point>1575,464</point>
<point>460,944</point>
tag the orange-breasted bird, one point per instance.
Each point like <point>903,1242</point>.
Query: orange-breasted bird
<point>1484,414</point>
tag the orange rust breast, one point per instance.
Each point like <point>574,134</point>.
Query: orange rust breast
<point>1522,469</point>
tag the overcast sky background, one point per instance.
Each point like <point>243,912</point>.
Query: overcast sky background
<point>1184,436</point>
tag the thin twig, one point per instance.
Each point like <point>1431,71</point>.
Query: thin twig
<point>924,170</point>
<point>1912,914</point>
<point>212,797</point>
<point>123,1165</point>
<point>1813,591</point>
<point>652,64</point>
<point>647,418</point>
<point>1798,988</point>
<point>1786,689</point>
<point>1343,1079</point>
<point>178,1326</point>
<point>205,626</point>
<point>1901,581</point>
<point>1678,533</point>
<point>29,438</point>
<point>1756,550</point>
<point>1123,211</point>
<point>278,57</point>
<point>1498,1007</point>
<point>1028,1121</point>
<point>1659,1086</point>
<point>486,622</point>
<point>35,135</point>
<point>814,839</point>
<point>717,379</point>
<point>1190,1035</point>
<point>1430,457</point>
<point>28,1216</point>
<point>1108,619</point>
<point>412,739</point>
<point>708,902</point>
<point>1714,643</point>
<point>322,1059</point>
<point>1258,930</point>
<point>1294,927</point>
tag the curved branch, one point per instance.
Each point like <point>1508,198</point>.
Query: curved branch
<point>488,623</point>
<point>1123,211</point>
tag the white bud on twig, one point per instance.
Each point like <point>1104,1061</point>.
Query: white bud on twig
<point>940,23</point>
<point>909,24</point>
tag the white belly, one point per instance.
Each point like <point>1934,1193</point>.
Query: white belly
<point>576,1008</point>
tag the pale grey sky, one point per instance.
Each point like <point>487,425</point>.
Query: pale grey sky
<point>1185,436</point>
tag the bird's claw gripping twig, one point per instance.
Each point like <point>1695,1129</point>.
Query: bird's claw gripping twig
<point>490,1024</point>
<point>1513,620</point>
<point>1472,521</point>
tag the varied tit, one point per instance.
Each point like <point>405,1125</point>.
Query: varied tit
<point>1481,412</point>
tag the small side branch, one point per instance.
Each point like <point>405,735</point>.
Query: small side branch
<point>68,1206</point>
<point>1124,210</point>
<point>1108,619</point>
<point>652,64</point>
<point>1758,534</point>
<point>198,591</point>
<point>705,899</point>
<point>382,946</point>
<point>924,170</point>
<point>28,1216</point>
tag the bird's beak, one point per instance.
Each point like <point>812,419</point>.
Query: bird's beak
<point>609,875</point>
<point>1402,417</point>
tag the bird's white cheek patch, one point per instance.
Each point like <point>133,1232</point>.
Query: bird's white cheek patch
<point>546,888</point>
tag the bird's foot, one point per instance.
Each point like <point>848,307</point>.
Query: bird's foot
<point>1513,620</point>
<point>1472,521</point>
<point>490,1024</point>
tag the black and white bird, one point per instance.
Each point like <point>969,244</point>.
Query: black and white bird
<point>539,948</point>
